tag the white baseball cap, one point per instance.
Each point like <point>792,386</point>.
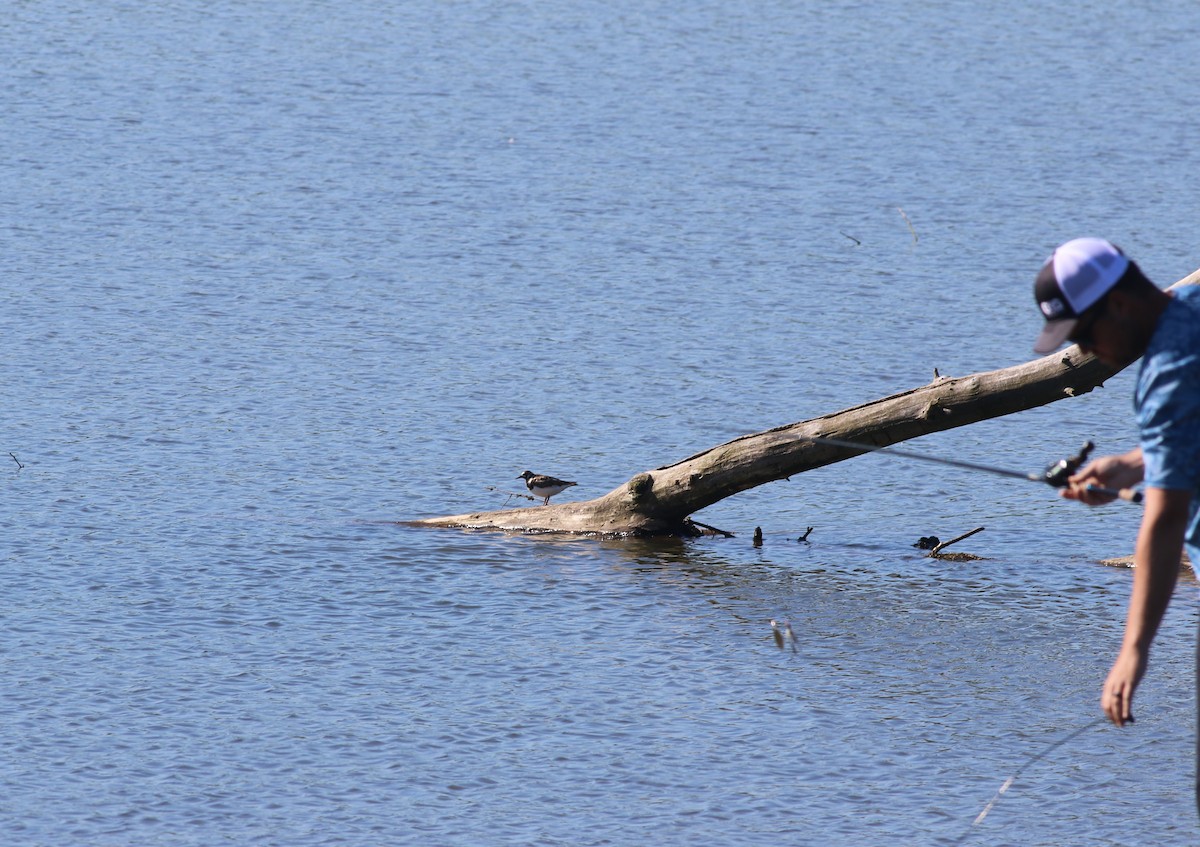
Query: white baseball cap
<point>1074,278</point>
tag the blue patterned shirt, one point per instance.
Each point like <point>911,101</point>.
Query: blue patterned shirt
<point>1167,404</point>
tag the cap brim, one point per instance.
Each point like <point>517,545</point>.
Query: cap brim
<point>1054,333</point>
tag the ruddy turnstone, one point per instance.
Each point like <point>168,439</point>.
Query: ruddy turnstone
<point>543,486</point>
<point>782,630</point>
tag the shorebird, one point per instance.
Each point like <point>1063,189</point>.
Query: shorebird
<point>782,630</point>
<point>543,486</point>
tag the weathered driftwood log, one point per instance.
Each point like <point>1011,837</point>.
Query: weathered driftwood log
<point>659,501</point>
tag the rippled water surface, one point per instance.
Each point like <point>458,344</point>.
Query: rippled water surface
<point>281,276</point>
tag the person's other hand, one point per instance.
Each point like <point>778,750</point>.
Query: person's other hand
<point>1117,697</point>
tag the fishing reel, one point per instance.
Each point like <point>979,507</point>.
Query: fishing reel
<point>1058,473</point>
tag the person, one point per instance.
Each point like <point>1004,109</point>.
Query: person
<point>1091,294</point>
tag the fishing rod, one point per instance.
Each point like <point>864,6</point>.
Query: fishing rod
<point>1057,475</point>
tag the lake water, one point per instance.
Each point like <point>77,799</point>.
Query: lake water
<point>281,276</point>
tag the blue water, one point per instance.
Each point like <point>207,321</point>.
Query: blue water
<point>280,276</point>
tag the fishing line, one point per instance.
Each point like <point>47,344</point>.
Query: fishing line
<point>1030,762</point>
<point>1056,475</point>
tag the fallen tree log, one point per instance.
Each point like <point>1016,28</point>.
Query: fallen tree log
<point>659,501</point>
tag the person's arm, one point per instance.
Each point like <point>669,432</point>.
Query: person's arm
<point>1113,472</point>
<point>1156,568</point>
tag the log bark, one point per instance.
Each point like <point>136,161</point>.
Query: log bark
<point>659,501</point>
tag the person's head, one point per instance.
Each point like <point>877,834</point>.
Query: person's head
<point>1092,295</point>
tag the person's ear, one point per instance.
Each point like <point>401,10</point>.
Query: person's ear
<point>1120,302</point>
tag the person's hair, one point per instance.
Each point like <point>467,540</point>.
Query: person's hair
<point>1133,281</point>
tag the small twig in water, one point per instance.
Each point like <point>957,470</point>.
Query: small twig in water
<point>910,226</point>
<point>14,458</point>
<point>857,243</point>
<point>933,553</point>
<point>804,537</point>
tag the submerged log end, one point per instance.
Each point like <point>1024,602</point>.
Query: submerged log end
<point>611,515</point>
<point>507,519</point>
